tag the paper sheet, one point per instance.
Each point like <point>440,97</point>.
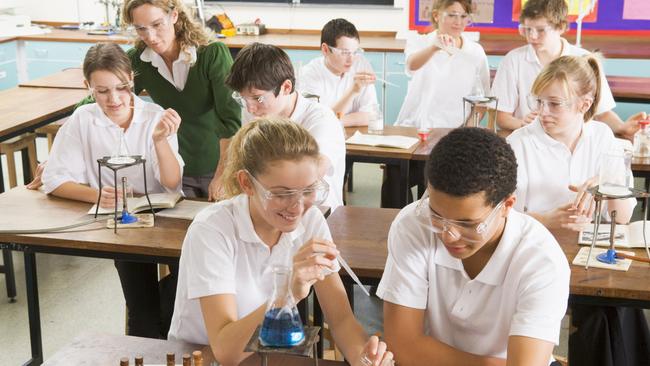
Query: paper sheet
<point>620,265</point>
<point>636,9</point>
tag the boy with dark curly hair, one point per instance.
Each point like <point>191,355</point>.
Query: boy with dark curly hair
<point>469,280</point>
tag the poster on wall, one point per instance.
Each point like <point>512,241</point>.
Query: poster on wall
<point>636,9</point>
<point>575,8</point>
<point>483,11</point>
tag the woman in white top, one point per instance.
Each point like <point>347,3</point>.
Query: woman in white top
<point>445,67</point>
<point>560,152</point>
<point>269,219</point>
<point>559,156</point>
<point>93,132</point>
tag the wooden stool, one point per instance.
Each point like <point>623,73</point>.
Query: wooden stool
<point>18,143</point>
<point>50,131</point>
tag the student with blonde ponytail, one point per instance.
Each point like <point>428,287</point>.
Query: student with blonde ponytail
<point>269,218</point>
<point>177,64</point>
<point>559,157</point>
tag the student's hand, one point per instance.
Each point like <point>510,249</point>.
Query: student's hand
<point>37,181</point>
<point>631,126</point>
<point>529,118</point>
<point>107,199</point>
<point>444,42</point>
<point>361,80</point>
<point>584,202</point>
<point>564,217</point>
<point>308,265</point>
<point>375,354</point>
<point>168,125</point>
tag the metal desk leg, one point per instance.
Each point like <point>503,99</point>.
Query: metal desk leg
<point>404,182</point>
<point>33,310</point>
<point>8,270</point>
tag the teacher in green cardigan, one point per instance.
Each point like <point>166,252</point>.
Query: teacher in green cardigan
<point>176,62</point>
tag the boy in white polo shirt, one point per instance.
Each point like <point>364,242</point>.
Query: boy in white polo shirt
<point>263,79</point>
<point>469,280</point>
<point>342,78</point>
<point>542,23</point>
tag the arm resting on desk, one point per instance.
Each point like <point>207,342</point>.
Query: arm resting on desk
<point>526,351</point>
<point>404,332</point>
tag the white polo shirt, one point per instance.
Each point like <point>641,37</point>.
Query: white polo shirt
<point>222,254</point>
<point>180,67</point>
<point>517,73</point>
<point>522,291</point>
<point>89,135</point>
<point>546,167</point>
<point>328,132</point>
<point>315,78</point>
<point>436,90</point>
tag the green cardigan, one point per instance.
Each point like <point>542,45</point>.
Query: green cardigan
<point>205,105</point>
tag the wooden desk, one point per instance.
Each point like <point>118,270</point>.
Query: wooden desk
<point>72,78</point>
<point>25,209</point>
<point>630,89</point>
<point>361,234</point>
<point>400,158</point>
<point>105,349</point>
<point>25,109</point>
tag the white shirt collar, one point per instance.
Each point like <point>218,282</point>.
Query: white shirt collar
<point>496,268</point>
<point>302,104</point>
<point>245,228</point>
<point>541,139</point>
<point>181,66</point>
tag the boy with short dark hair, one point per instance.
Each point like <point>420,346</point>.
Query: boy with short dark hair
<point>469,280</point>
<point>342,78</point>
<point>263,79</point>
<point>542,23</point>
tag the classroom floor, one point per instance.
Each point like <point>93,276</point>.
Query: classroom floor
<point>81,295</point>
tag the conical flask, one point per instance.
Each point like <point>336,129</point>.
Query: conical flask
<point>282,326</point>
<point>121,153</point>
<point>477,94</point>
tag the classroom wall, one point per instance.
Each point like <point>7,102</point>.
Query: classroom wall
<point>284,16</point>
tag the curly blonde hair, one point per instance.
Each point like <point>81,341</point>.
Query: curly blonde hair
<point>188,31</point>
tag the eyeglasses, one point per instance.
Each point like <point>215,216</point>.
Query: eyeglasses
<point>455,17</point>
<point>103,92</point>
<point>345,52</point>
<point>470,231</point>
<point>527,31</point>
<point>312,195</point>
<point>256,101</point>
<point>553,106</point>
<point>157,27</point>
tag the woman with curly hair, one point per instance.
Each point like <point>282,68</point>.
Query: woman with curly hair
<point>175,60</point>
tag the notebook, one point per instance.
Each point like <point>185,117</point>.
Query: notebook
<point>400,142</point>
<point>626,236</point>
<point>139,204</point>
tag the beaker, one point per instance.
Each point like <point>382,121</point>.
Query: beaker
<point>121,153</point>
<point>615,173</point>
<point>282,326</point>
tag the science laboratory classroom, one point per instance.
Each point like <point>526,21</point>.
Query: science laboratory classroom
<point>325,182</point>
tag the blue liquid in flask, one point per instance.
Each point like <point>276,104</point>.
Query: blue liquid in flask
<point>282,328</point>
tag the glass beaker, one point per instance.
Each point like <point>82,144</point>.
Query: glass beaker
<point>121,153</point>
<point>375,120</point>
<point>282,326</point>
<point>615,173</point>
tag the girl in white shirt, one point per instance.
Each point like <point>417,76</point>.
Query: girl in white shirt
<point>270,219</point>
<point>92,132</point>
<point>445,66</point>
<point>559,157</point>
<point>560,153</point>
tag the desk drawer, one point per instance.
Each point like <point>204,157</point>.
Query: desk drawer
<point>57,51</point>
<point>7,51</point>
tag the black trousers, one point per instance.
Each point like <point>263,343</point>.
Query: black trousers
<point>608,336</point>
<point>150,303</point>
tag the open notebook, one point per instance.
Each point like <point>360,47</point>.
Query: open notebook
<point>626,236</point>
<point>400,142</point>
<point>139,204</point>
